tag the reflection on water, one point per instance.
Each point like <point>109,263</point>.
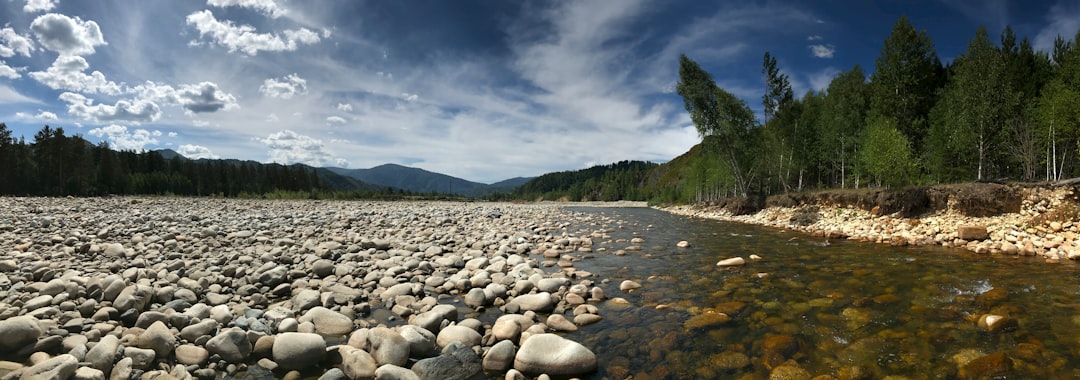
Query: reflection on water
<point>847,309</point>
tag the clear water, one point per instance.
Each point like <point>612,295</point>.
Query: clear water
<point>853,309</point>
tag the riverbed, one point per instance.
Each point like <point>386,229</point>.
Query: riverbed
<point>815,307</point>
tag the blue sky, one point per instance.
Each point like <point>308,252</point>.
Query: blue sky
<point>483,90</point>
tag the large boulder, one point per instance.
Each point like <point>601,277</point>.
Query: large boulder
<point>60,367</point>
<point>328,322</point>
<point>18,332</point>
<point>500,357</point>
<point>388,347</point>
<point>357,363</point>
<point>458,362</point>
<point>231,344</point>
<point>298,350</point>
<point>554,355</point>
<point>457,333</point>
<point>540,302</point>
<point>159,338</point>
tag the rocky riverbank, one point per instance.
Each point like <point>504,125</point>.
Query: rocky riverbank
<point>1043,224</point>
<point>167,288</point>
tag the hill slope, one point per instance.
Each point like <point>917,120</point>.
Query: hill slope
<point>422,181</point>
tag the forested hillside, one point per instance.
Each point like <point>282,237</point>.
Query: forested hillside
<point>1000,111</point>
<point>55,164</point>
<point>619,181</point>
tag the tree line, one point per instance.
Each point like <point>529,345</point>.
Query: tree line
<point>1000,111</point>
<point>618,181</point>
<point>55,164</point>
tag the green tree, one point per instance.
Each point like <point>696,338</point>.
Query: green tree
<point>886,155</point>
<point>843,118</point>
<point>907,76</point>
<point>717,113</point>
<point>777,88</point>
<point>978,100</point>
<point>1058,113</point>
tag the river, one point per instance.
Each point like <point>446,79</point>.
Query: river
<point>843,308</point>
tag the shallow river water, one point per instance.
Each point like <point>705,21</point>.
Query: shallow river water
<point>846,309</point>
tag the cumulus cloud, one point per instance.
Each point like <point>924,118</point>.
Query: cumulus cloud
<point>822,51</point>
<point>194,98</point>
<point>288,147</point>
<point>205,97</point>
<point>120,138</point>
<point>66,35</point>
<point>335,120</point>
<point>1063,20</point>
<point>244,38</point>
<point>43,115</point>
<point>136,111</point>
<point>8,71</point>
<point>344,107</point>
<point>268,7</point>
<point>67,73</point>
<point>409,97</point>
<point>285,88</point>
<point>196,152</point>
<point>39,5</point>
<point>12,43</point>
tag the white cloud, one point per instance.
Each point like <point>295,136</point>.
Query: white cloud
<point>344,107</point>
<point>12,43</point>
<point>8,71</point>
<point>244,38</point>
<point>205,97</point>
<point>200,123</point>
<point>67,73</point>
<point>39,5</point>
<point>813,38</point>
<point>286,88</point>
<point>335,120</point>
<point>194,98</point>
<point>196,152</point>
<point>121,139</point>
<point>288,147</point>
<point>1063,20</point>
<point>268,7</point>
<point>43,115</point>
<point>820,80</point>
<point>136,111</point>
<point>173,134</point>
<point>66,35</point>
<point>12,96</point>
<point>409,97</point>
<point>271,118</point>
<point>822,51</point>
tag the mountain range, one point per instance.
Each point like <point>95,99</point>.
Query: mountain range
<point>397,177</point>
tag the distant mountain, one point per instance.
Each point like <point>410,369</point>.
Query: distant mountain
<point>328,179</point>
<point>422,181</point>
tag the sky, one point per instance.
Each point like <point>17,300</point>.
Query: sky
<point>483,90</point>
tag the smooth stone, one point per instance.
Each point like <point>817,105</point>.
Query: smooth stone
<point>328,322</point>
<point>122,370</point>
<point>87,373</point>
<point>357,363</point>
<point>586,319</point>
<point>540,302</point>
<point>432,319</point>
<point>232,345</point>
<point>558,322</point>
<point>18,332</point>
<point>554,355</point>
<point>102,355</point>
<point>998,323</point>
<point>59,367</point>
<point>500,357</point>
<point>322,268</point>
<point>159,338</point>
<point>734,261</point>
<point>551,285</point>
<point>393,372</point>
<point>189,354</point>
<point>388,347</point>
<point>456,333</point>
<point>628,285</point>
<point>141,358</point>
<point>298,350</point>
<point>510,326</point>
<point>475,298</point>
<point>707,319</point>
<point>421,342</point>
<point>458,362</point>
<point>306,299</point>
<point>191,333</point>
<point>134,297</point>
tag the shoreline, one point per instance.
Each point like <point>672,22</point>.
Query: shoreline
<point>1033,231</point>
